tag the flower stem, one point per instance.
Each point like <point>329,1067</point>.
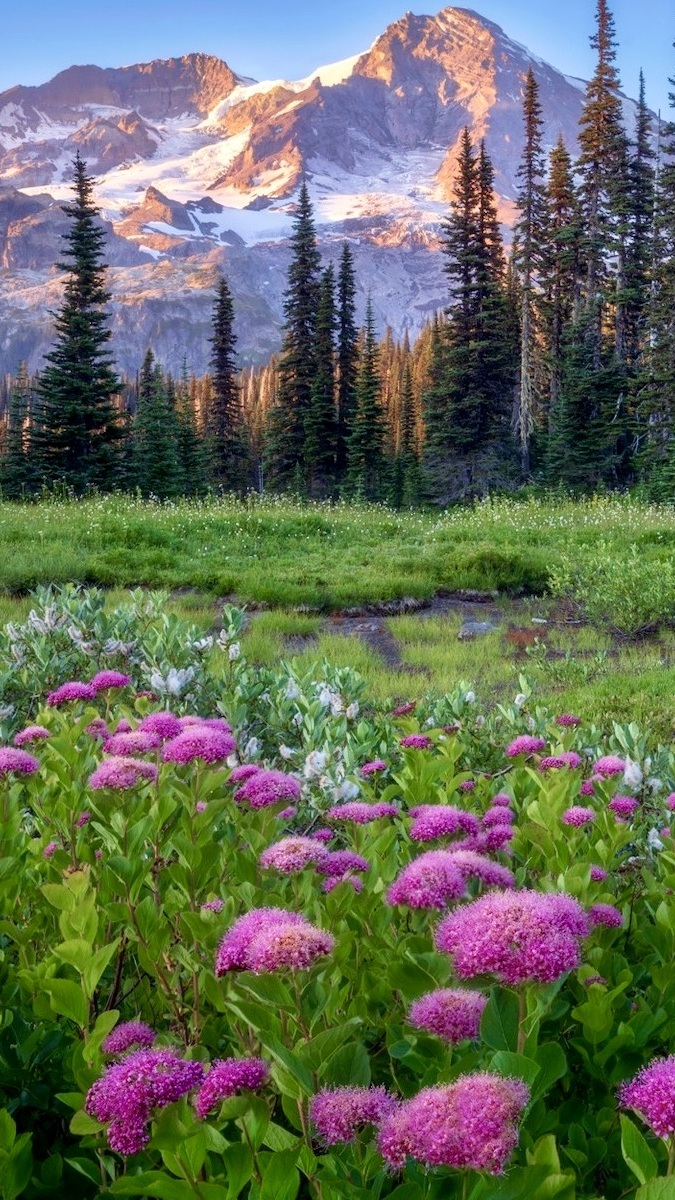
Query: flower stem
<point>671,1156</point>
<point>522,1013</point>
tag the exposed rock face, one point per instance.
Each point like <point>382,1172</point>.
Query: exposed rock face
<point>197,170</point>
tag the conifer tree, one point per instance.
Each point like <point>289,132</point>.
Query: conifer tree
<point>157,469</point>
<point>18,478</point>
<point>286,435</point>
<point>640,250</point>
<point>366,467</point>
<point>529,250</point>
<point>223,422</point>
<point>77,432</point>
<point>192,456</point>
<point>320,420</point>
<point>347,356</point>
<point>406,485</point>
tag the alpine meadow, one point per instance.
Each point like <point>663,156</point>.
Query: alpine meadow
<point>337,609</point>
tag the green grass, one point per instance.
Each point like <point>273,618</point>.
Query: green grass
<point>321,556</point>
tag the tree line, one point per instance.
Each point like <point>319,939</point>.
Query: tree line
<point>552,363</point>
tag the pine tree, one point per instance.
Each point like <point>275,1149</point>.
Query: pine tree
<point>192,455</point>
<point>529,251</point>
<point>640,251</point>
<point>157,469</point>
<point>347,356</point>
<point>406,485</point>
<point>320,419</point>
<point>18,478</point>
<point>366,466</point>
<point>286,435</point>
<point>77,432</point>
<point>223,423</point>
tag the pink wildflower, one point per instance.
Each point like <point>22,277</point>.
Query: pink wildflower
<point>50,849</point>
<point>567,720</point>
<point>338,1113</point>
<point>334,863</point>
<point>121,773</point>
<point>109,679</point>
<point>361,814</point>
<point>453,1014</point>
<point>371,768</point>
<point>605,914</point>
<point>32,733</point>
<point>652,1095</point>
<point>520,936</point>
<point>323,835</point>
<point>431,821</point>
<point>243,772</point>
<point>609,765</point>
<point>332,882</point>
<point>125,1096</point>
<point>17,762</point>
<point>201,806</point>
<point>467,785</point>
<point>266,788</point>
<point>98,729</point>
<point>211,745</point>
<point>470,1123</point>
<point>416,741</point>
<point>138,741</point>
<point>287,814</point>
<point>430,881</point>
<point>475,866</point>
<point>598,875</point>
<point>267,939</point>
<point>623,806</point>
<point>83,819</point>
<point>497,816</point>
<point>291,854</point>
<point>670,801</point>
<point>164,724</point>
<point>404,709</point>
<point>73,690</point>
<point>126,1035</point>
<point>525,744</point>
<point>214,906</point>
<point>587,788</point>
<point>566,758</point>
<point>577,816</point>
<point>501,800</point>
<point>122,726</point>
<point>226,1077</point>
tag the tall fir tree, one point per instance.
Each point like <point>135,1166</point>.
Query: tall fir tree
<point>366,475</point>
<point>529,253</point>
<point>77,433</point>
<point>157,468</point>
<point>223,418</point>
<point>406,476</point>
<point>286,465</point>
<point>347,356</point>
<point>640,249</point>
<point>192,452</point>
<point>18,477</point>
<point>321,418</point>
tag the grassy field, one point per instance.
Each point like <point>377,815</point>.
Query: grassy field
<point>326,557</point>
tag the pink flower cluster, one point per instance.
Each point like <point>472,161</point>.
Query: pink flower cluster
<point>416,741</point>
<point>72,690</point>
<point>472,865</point>
<point>497,816</point>
<point>126,1035</point>
<point>372,768</point>
<point>519,936</point>
<point>32,733</point>
<point>568,720</point>
<point>431,821</point>
<point>609,765</point>
<point>209,743</point>
<point>468,1124</point>
<point>566,758</point>
<point>361,814</point>
<point>226,1077</point>
<point>109,679</point>
<point>271,939</point>
<point>577,816</point>
<point>623,806</point>
<point>605,914</point>
<point>291,854</point>
<point>164,724</point>
<point>525,744</point>
<point>17,762</point>
<point>136,741</point>
<point>338,1113</point>
<point>431,881</point>
<point>126,1095</point>
<point>267,787</point>
<point>652,1095</point>
<point>453,1014</point>
<point>120,774</point>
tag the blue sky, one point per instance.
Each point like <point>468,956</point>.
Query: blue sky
<point>288,38</point>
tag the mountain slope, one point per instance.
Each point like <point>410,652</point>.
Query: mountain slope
<point>197,169</point>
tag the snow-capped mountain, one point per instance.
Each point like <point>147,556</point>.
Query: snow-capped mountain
<point>197,169</point>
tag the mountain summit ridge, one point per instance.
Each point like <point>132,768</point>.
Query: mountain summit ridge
<point>197,168</point>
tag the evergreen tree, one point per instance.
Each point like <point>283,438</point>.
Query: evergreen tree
<point>366,466</point>
<point>77,431</point>
<point>192,455</point>
<point>18,477</point>
<point>320,420</point>
<point>347,356</point>
<point>157,469</point>
<point>286,434</point>
<point>406,486</point>
<point>223,422</point>
<point>529,251</point>
<point>640,249</point>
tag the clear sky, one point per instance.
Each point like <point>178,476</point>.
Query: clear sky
<point>271,39</point>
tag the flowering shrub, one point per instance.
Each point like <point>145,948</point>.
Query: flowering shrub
<point>269,944</point>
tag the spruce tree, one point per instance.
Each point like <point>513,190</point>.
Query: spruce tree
<point>366,466</point>
<point>320,419</point>
<point>223,422</point>
<point>157,469</point>
<point>529,251</point>
<point>640,251</point>
<point>18,478</point>
<point>286,465</point>
<point>406,485</point>
<point>192,453</point>
<point>347,356</point>
<point>77,432</point>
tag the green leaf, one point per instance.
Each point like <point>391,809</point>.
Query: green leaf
<point>507,1063</point>
<point>499,1024</point>
<point>82,1124</point>
<point>97,965</point>
<point>550,1058</point>
<point>281,1178</point>
<point>350,1067</point>
<point>636,1152</point>
<point>67,999</point>
<point>7,1131</point>
<point>657,1189</point>
<point>238,1162</point>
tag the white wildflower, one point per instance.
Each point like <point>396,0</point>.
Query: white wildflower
<point>632,775</point>
<point>292,691</point>
<point>297,720</point>
<point>205,643</point>
<point>347,791</point>
<point>479,722</point>
<point>520,700</point>
<point>325,695</point>
<point>232,760</point>
<point>654,841</point>
<point>285,751</point>
<point>314,763</point>
<point>352,710</point>
<point>234,652</point>
<point>252,748</point>
<point>470,698</point>
<point>336,704</point>
<point>654,785</point>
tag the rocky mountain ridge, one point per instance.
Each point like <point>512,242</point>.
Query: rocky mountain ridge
<point>197,169</point>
